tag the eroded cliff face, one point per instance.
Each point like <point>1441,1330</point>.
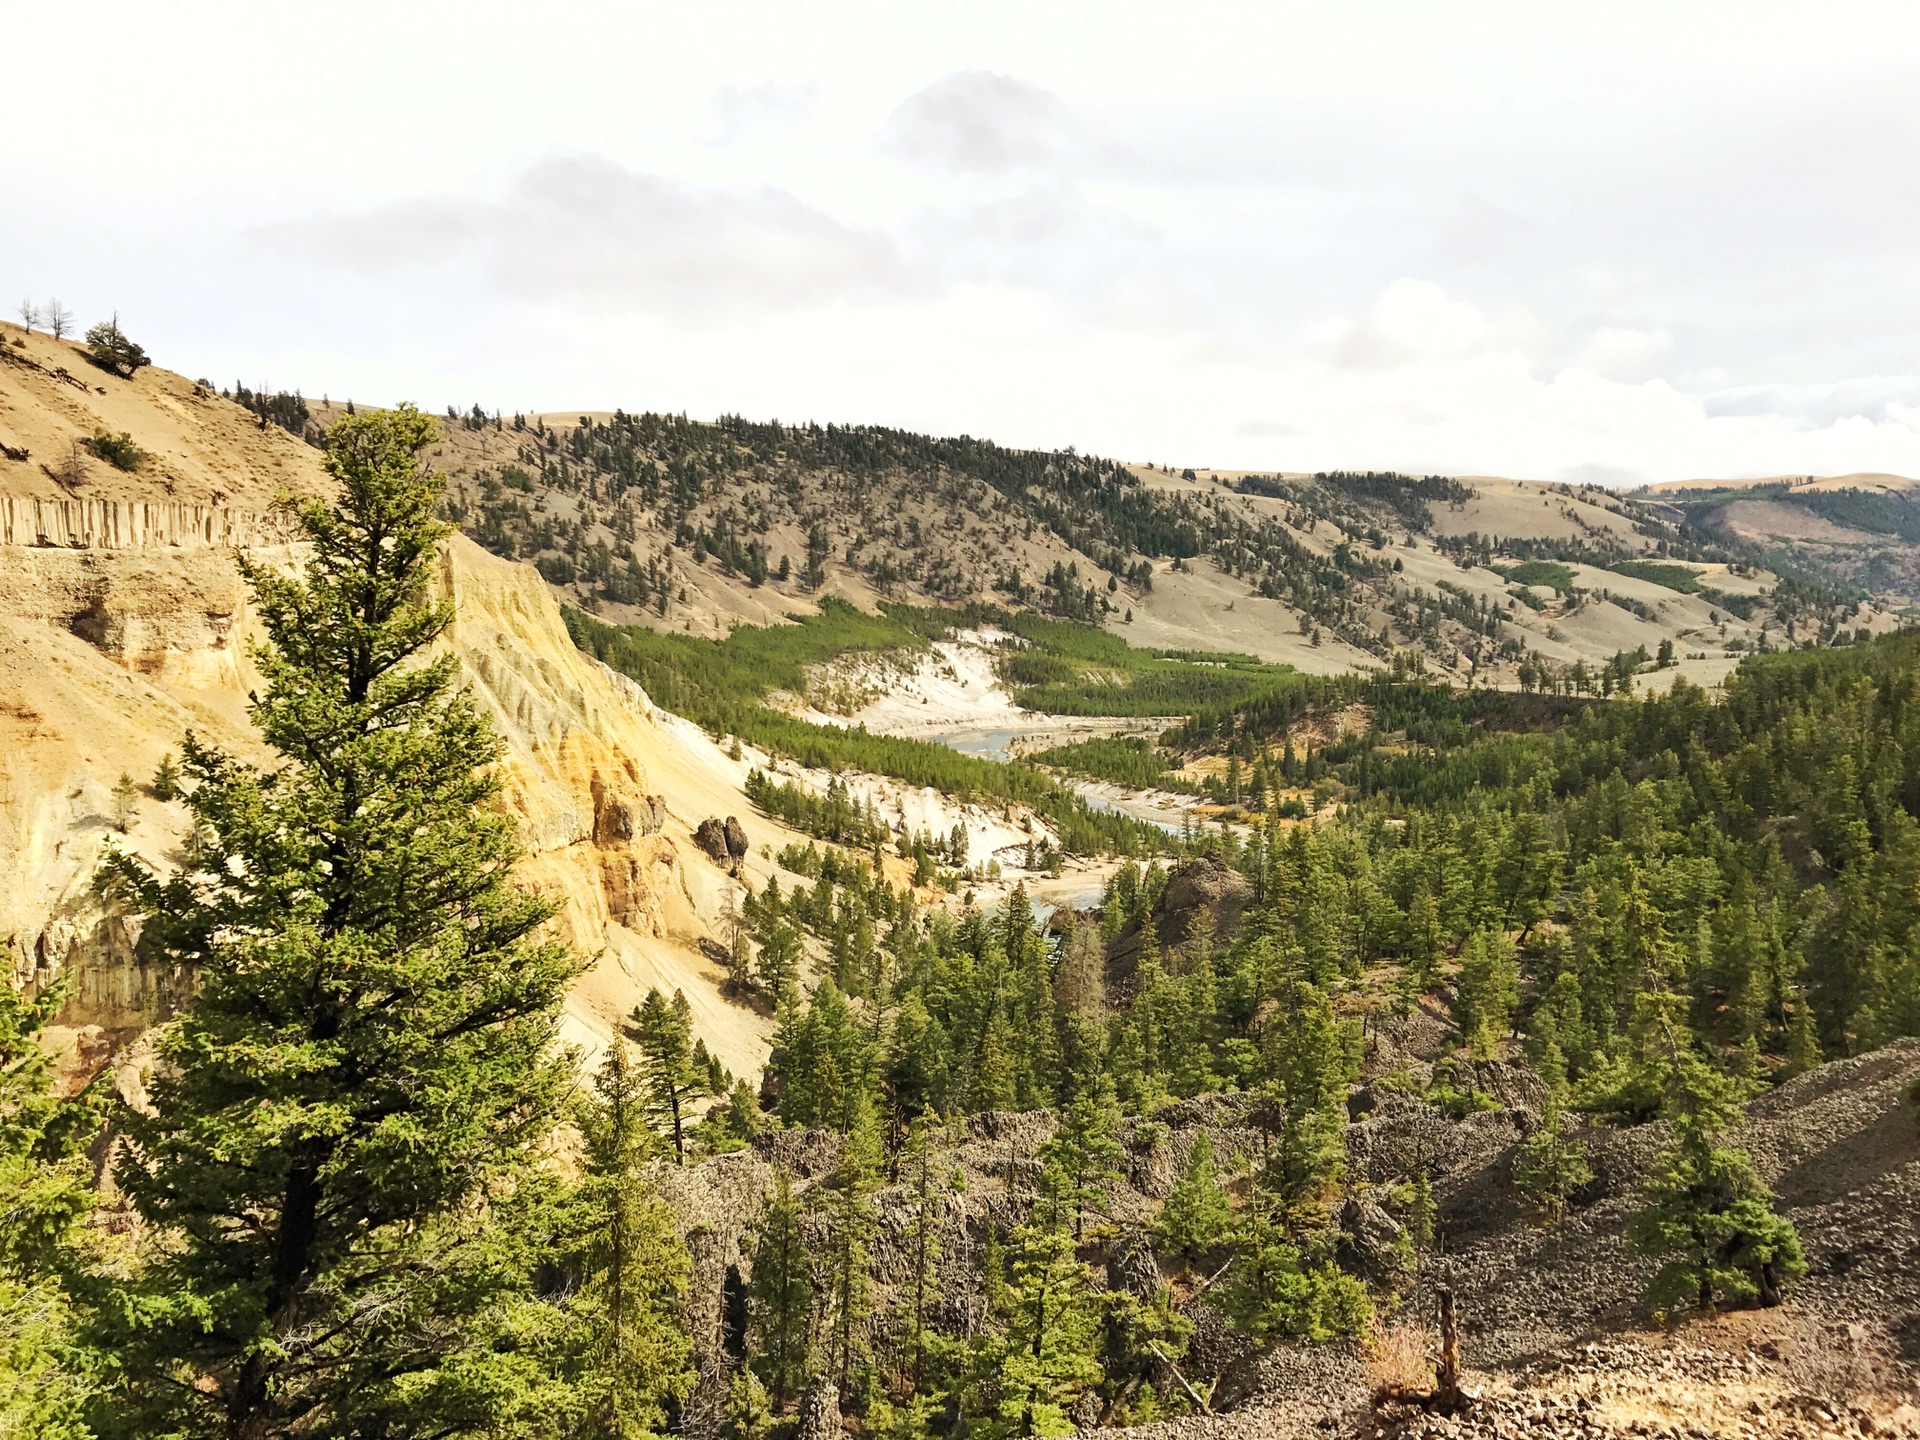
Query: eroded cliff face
<point>84,523</point>
<point>109,655</point>
<point>607,794</point>
<point>124,623</point>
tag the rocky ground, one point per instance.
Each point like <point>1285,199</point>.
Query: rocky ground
<point>1555,1338</point>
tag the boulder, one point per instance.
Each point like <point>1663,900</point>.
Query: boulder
<point>1205,884</point>
<point>1369,1243</point>
<point>711,836</point>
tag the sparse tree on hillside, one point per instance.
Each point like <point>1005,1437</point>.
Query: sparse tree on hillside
<point>341,1152</point>
<point>126,795</point>
<point>111,350</point>
<point>166,779</point>
<point>29,314</point>
<point>58,320</point>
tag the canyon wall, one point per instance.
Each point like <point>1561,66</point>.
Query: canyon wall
<point>134,626</point>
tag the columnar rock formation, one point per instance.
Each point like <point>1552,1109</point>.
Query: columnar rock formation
<point>94,524</point>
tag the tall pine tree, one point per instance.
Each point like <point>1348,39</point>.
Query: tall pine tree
<point>673,1081</point>
<point>780,1302</point>
<point>632,1264</point>
<point>344,1116</point>
<point>44,1194</point>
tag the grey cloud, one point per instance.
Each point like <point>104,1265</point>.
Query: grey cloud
<point>1479,235</point>
<point>981,123</point>
<point>584,230</point>
<point>1819,406</point>
<point>1045,236</point>
<point>1365,348</point>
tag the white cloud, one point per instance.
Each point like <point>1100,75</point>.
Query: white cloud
<point>1624,351</point>
<point>1272,234</point>
<point>740,108</point>
<point>583,231</point>
<point>1419,315</point>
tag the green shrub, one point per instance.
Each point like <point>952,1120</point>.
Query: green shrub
<point>1550,573</point>
<point>118,451</point>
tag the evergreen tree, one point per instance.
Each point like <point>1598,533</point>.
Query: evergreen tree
<point>45,1192</point>
<point>1046,1353</point>
<point>1803,1046</point>
<point>1707,1218</point>
<point>166,779</point>
<point>1085,1149</point>
<point>919,1059</point>
<point>926,1192</point>
<point>110,348</point>
<point>1273,1293</point>
<point>1634,1082</point>
<point>1197,1215</point>
<point>674,1081</point>
<point>733,1125</point>
<point>780,1299</point>
<point>1487,992</point>
<point>344,1119</point>
<point>846,1205</point>
<point>749,1414</point>
<point>633,1266</point>
<point>778,964</point>
<point>1312,1058</point>
<point>1549,1166</point>
<point>1422,1213</point>
<point>826,1065</point>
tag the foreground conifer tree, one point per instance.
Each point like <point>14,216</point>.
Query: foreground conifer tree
<point>44,1195</point>
<point>338,1153</point>
<point>1708,1219</point>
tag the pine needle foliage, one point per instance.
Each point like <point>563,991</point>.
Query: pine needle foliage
<point>632,1264</point>
<point>339,1149</point>
<point>1707,1217</point>
<point>44,1195</point>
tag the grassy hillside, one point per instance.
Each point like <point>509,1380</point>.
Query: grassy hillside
<point>675,525</point>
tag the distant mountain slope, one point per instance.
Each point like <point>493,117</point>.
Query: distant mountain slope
<point>1861,531</point>
<point>680,525</point>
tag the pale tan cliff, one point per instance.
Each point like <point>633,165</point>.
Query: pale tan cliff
<point>124,622</point>
<point>108,657</point>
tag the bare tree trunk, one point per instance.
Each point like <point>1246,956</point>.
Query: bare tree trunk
<point>1447,1395</point>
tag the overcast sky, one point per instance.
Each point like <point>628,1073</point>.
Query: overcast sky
<point>1608,241</point>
